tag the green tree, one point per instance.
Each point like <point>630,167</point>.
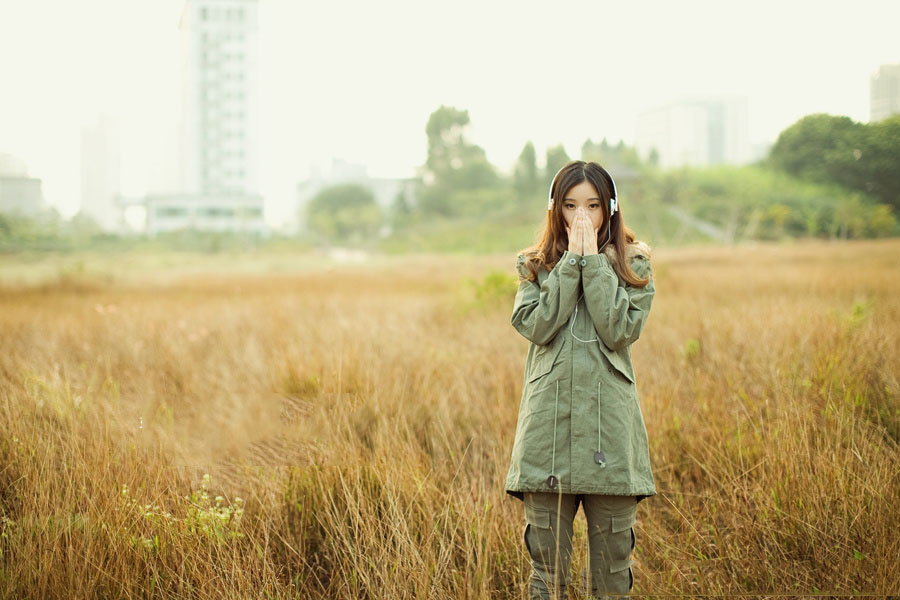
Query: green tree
<point>400,210</point>
<point>612,158</point>
<point>882,221</point>
<point>849,218</point>
<point>835,149</point>
<point>556,159</point>
<point>813,217</point>
<point>525,174</point>
<point>453,163</point>
<point>878,158</point>
<point>84,225</point>
<point>778,213</point>
<point>820,147</point>
<point>344,212</point>
<point>452,158</point>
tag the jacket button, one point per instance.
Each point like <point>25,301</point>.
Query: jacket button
<point>608,369</point>
<point>571,261</point>
<point>583,262</point>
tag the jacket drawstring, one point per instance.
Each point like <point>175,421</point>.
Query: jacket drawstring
<point>553,480</point>
<point>599,457</point>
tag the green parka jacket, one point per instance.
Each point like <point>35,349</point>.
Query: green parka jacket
<point>580,428</point>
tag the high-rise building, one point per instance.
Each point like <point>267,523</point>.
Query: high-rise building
<point>101,172</point>
<point>220,127</point>
<point>218,154</point>
<point>884,92</point>
<point>696,132</point>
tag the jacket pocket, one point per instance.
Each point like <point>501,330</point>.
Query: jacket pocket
<point>622,376</point>
<point>543,360</point>
<point>619,361</point>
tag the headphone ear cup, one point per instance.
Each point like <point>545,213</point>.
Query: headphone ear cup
<point>614,199</point>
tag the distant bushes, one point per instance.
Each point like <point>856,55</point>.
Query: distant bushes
<point>754,202</point>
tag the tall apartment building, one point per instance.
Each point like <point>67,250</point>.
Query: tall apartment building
<point>218,154</point>
<point>706,131</point>
<point>884,92</point>
<point>101,172</point>
<point>220,116</point>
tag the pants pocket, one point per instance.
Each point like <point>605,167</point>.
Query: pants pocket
<point>621,545</point>
<point>550,564</point>
<point>622,536</point>
<point>621,579</point>
<point>537,515</point>
<point>539,539</point>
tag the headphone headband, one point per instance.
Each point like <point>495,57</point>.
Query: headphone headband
<point>613,202</point>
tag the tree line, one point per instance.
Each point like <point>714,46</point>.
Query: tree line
<point>826,176</point>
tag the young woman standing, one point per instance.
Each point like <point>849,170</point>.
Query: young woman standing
<point>585,290</point>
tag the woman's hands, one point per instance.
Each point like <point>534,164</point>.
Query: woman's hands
<point>582,235</point>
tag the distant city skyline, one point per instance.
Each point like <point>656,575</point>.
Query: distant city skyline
<point>359,82</point>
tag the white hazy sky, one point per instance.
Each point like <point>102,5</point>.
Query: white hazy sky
<point>358,80</point>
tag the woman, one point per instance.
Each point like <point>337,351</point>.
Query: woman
<point>585,290</point>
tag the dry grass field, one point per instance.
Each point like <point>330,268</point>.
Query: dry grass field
<point>343,430</point>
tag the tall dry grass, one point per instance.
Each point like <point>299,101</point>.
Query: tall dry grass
<point>355,424</point>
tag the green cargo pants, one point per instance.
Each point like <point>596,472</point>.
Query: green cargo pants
<point>548,538</point>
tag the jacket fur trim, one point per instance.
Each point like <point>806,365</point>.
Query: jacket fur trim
<point>631,250</point>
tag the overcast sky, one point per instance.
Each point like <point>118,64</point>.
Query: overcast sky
<point>357,80</point>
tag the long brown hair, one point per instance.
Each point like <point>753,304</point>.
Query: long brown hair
<point>553,240</point>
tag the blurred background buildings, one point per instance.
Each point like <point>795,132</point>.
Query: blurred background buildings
<point>19,193</point>
<point>698,132</point>
<point>218,150</point>
<point>197,163</point>
<point>208,176</point>
<point>884,92</point>
<point>385,189</point>
<point>101,172</point>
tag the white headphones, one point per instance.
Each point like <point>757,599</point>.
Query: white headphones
<point>613,202</point>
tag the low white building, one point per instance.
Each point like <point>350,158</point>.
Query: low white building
<point>19,193</point>
<point>240,213</point>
